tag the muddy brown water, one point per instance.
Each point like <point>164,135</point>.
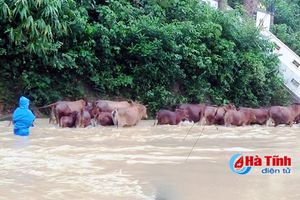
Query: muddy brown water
<point>144,162</point>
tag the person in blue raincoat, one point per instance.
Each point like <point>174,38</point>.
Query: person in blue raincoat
<point>23,118</point>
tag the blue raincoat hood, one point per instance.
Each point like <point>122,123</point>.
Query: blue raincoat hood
<point>24,102</point>
<point>23,117</point>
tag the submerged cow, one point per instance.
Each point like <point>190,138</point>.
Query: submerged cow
<point>239,117</point>
<point>170,117</point>
<point>194,111</point>
<point>261,115</point>
<point>104,119</point>
<point>109,106</point>
<point>215,114</point>
<point>68,121</point>
<point>208,115</point>
<point>129,116</point>
<point>284,115</point>
<point>66,108</point>
<point>220,114</point>
<point>86,118</point>
<point>102,110</point>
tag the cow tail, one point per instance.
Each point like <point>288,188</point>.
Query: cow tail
<point>47,106</point>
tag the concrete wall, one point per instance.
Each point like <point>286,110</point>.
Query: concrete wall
<point>289,63</point>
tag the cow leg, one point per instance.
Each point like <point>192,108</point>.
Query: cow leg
<point>93,122</point>
<point>54,115</point>
<point>52,118</point>
<point>227,123</point>
<point>57,116</point>
<point>115,118</point>
<point>202,121</point>
<point>80,124</point>
<point>269,122</point>
<point>155,122</point>
<point>76,121</point>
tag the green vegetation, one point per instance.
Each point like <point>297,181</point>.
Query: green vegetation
<point>287,23</point>
<point>158,52</point>
<point>286,20</point>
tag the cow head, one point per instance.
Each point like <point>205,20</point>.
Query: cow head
<point>143,111</point>
<point>229,106</point>
<point>181,114</point>
<point>141,108</point>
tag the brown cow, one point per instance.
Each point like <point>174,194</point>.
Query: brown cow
<point>90,107</point>
<point>220,113</point>
<point>208,116</point>
<point>86,118</point>
<point>94,110</point>
<point>284,115</point>
<point>109,106</point>
<point>65,108</point>
<point>104,119</point>
<point>239,117</point>
<point>68,121</point>
<point>194,111</point>
<point>60,110</point>
<point>261,115</point>
<point>170,117</point>
<point>297,119</point>
<point>129,116</point>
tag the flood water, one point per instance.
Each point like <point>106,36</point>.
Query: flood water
<point>144,162</point>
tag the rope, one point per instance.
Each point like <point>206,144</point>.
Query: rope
<point>189,131</point>
<point>201,133</point>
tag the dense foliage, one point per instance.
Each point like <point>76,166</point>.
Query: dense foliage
<point>157,52</point>
<point>287,22</point>
<point>286,19</point>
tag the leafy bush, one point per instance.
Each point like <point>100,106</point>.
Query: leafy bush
<point>158,52</point>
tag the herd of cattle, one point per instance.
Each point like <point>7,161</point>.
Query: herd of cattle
<point>102,112</point>
<point>128,113</point>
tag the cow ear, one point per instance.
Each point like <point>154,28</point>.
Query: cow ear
<point>130,101</point>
